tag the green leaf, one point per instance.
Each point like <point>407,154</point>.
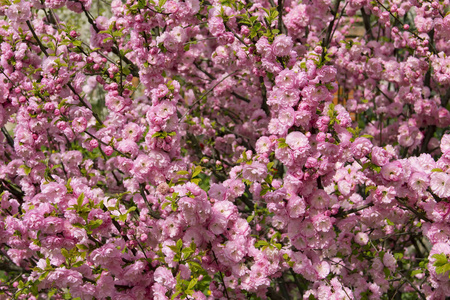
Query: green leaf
<point>182,172</point>
<point>193,265</point>
<point>34,288</point>
<point>263,191</point>
<point>437,170</point>
<point>366,165</point>
<point>123,218</point>
<point>389,222</point>
<point>141,4</point>
<point>398,255</point>
<point>369,188</point>
<point>387,272</point>
<point>43,276</point>
<point>193,246</point>
<point>282,145</point>
<point>192,283</point>
<point>26,169</point>
<point>196,180</point>
<point>78,264</point>
<point>197,171</point>
<point>51,293</point>
<point>368,136</point>
<point>179,244</point>
<point>96,223</point>
<point>67,296</point>
<point>441,259</point>
<point>133,208</point>
<point>65,253</point>
<point>82,247</point>
<point>443,269</point>
<point>161,3</point>
<point>76,43</point>
<point>187,252</point>
<point>80,200</point>
<point>261,243</point>
<point>175,295</point>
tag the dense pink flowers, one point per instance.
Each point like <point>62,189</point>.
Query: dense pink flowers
<point>225,150</point>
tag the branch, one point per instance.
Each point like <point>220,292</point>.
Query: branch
<point>84,103</point>
<point>235,35</point>
<point>133,68</point>
<point>366,20</point>
<point>281,26</point>
<point>41,46</point>
<point>8,137</point>
<point>264,105</point>
<point>205,94</point>
<point>221,275</point>
<point>240,97</point>
<point>418,214</point>
<point>152,212</point>
<point>105,144</point>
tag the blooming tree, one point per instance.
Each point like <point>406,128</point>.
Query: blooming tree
<point>225,150</point>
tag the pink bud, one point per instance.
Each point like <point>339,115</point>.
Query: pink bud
<point>144,237</point>
<point>61,125</point>
<point>93,143</point>
<point>109,150</point>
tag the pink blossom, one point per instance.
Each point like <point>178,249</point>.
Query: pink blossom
<point>164,277</point>
<point>361,147</point>
<point>282,45</point>
<point>440,184</point>
<point>389,261</point>
<point>254,172</point>
<point>392,171</point>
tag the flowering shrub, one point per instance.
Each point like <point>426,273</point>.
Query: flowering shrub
<point>225,150</point>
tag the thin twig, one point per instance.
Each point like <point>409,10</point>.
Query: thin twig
<point>41,46</point>
<point>205,94</point>
<point>220,275</point>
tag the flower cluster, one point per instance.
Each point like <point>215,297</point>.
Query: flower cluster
<point>225,149</point>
